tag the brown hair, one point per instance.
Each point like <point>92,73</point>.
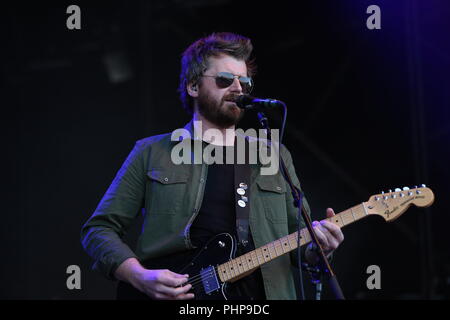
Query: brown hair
<point>194,60</point>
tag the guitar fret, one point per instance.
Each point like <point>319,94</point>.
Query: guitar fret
<point>227,272</point>
<point>266,255</point>
<point>364,207</point>
<point>351,210</point>
<point>342,220</point>
<point>235,267</point>
<point>246,259</point>
<point>240,265</point>
<point>260,256</point>
<point>293,238</point>
<point>244,263</point>
<point>273,250</point>
<point>228,266</point>
<point>280,247</point>
<point>345,217</point>
<point>361,211</point>
<point>253,259</point>
<point>304,233</point>
<point>284,244</point>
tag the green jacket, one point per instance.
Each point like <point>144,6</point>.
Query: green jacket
<point>172,196</point>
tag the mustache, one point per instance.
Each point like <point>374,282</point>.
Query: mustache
<point>232,97</point>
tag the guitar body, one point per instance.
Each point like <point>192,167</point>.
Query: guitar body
<point>219,252</point>
<point>206,284</point>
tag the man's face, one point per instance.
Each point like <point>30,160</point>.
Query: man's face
<point>213,102</point>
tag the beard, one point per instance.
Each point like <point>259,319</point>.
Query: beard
<point>223,113</point>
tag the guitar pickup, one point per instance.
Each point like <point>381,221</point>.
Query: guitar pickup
<point>209,279</point>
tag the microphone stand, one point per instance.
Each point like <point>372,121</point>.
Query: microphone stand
<point>316,277</point>
<point>298,197</point>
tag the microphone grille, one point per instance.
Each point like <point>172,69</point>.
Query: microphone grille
<point>243,100</point>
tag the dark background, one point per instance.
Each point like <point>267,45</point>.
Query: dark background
<point>369,110</point>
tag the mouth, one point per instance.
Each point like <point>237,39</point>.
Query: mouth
<point>231,105</point>
<point>231,98</point>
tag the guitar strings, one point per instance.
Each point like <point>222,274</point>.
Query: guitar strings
<point>198,278</point>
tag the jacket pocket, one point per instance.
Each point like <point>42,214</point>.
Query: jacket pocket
<point>272,191</point>
<point>166,190</point>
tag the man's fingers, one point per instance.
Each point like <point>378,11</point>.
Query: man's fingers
<point>333,229</point>
<point>185,296</point>
<point>172,279</point>
<point>330,212</point>
<point>320,234</point>
<point>174,292</point>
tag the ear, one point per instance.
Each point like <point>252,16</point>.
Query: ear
<point>192,89</point>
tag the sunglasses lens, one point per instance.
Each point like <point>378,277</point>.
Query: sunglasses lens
<point>225,79</point>
<point>246,84</point>
<point>224,82</point>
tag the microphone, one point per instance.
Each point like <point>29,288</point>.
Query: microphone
<point>248,102</point>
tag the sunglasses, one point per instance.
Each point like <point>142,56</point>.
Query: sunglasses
<point>225,79</point>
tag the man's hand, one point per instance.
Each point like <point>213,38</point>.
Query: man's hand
<point>164,284</point>
<point>329,235</point>
<point>157,284</point>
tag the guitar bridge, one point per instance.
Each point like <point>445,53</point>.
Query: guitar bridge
<point>209,279</point>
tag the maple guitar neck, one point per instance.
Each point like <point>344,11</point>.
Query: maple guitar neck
<point>389,205</point>
<point>247,263</point>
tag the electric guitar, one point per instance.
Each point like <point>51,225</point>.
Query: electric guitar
<point>215,265</point>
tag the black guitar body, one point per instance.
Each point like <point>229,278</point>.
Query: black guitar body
<point>202,271</point>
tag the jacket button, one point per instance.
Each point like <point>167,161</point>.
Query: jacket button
<point>279,188</point>
<point>243,185</point>
<point>166,179</point>
<point>202,180</point>
<point>241,204</point>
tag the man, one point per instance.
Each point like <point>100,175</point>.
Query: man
<point>188,203</point>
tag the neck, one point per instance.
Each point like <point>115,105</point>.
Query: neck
<point>211,133</point>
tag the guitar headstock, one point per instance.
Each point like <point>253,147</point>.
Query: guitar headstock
<point>392,204</point>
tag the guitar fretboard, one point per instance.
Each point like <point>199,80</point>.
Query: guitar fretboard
<point>248,262</point>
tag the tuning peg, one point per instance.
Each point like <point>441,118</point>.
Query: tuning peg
<point>398,189</point>
<point>390,190</point>
<point>405,188</point>
<point>423,186</point>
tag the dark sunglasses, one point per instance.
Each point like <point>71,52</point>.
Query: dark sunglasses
<point>225,79</point>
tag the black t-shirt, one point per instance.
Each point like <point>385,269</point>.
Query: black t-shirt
<point>217,215</point>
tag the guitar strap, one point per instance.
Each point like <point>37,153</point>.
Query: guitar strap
<point>242,176</point>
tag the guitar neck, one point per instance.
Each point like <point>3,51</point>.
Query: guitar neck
<point>240,266</point>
